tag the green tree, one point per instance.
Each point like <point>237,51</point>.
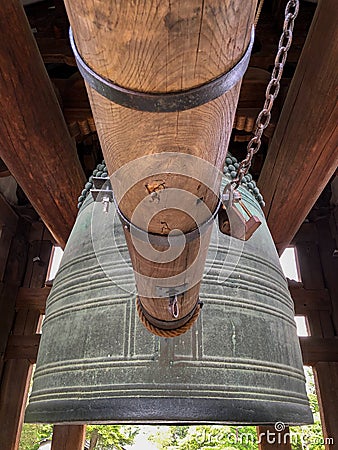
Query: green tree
<point>206,437</point>
<point>32,434</point>
<point>111,437</point>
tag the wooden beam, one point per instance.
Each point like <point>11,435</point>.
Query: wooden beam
<point>326,378</point>
<point>8,217</point>
<point>316,349</point>
<point>23,347</point>
<point>326,374</point>
<point>15,384</point>
<point>32,298</point>
<point>68,437</point>
<point>12,279</point>
<point>200,44</point>
<point>35,143</point>
<point>314,274</point>
<point>56,51</point>
<point>303,153</point>
<point>13,398</point>
<point>306,300</point>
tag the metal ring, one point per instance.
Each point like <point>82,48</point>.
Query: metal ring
<point>163,240</point>
<point>163,102</point>
<point>168,324</point>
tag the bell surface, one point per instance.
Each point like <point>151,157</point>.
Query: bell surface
<point>240,363</point>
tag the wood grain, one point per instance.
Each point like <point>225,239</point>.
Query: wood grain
<point>162,47</point>
<point>32,298</point>
<point>317,267</point>
<point>326,376</point>
<point>23,347</point>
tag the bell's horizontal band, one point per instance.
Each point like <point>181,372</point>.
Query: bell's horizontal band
<point>163,102</point>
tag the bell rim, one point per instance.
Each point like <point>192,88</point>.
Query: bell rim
<point>157,411</point>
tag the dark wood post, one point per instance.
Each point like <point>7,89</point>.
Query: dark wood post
<point>23,268</point>
<point>68,437</point>
<point>318,273</point>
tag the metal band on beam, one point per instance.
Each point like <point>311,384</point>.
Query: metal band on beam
<point>168,325</point>
<point>103,192</point>
<point>163,102</point>
<point>162,240</point>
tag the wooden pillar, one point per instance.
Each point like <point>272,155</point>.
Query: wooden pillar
<point>35,142</point>
<point>303,153</point>
<point>10,279</point>
<point>326,374</point>
<point>68,437</point>
<point>312,243</point>
<point>17,371</point>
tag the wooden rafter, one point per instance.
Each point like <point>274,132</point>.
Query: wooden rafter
<point>35,143</point>
<point>303,153</point>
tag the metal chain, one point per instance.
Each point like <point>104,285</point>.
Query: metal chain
<point>263,118</point>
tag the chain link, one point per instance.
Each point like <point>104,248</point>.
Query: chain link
<point>263,118</point>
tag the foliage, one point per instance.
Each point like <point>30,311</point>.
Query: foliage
<point>311,390</point>
<point>32,434</point>
<point>309,437</point>
<point>207,437</point>
<point>112,437</point>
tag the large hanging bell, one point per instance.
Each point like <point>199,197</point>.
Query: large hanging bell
<point>240,362</point>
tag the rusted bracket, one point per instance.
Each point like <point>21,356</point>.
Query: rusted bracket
<point>231,221</point>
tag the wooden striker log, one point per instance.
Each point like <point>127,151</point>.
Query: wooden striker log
<point>163,47</point>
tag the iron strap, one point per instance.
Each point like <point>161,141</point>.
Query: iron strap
<point>162,240</point>
<point>163,102</point>
<point>168,324</point>
<point>103,192</point>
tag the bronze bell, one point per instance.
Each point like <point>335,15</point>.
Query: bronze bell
<point>240,362</point>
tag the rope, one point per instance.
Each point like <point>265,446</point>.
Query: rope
<point>258,12</point>
<point>167,333</point>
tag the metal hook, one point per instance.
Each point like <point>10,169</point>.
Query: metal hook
<point>173,306</point>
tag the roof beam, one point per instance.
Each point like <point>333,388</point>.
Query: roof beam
<point>303,153</point>
<point>35,142</point>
